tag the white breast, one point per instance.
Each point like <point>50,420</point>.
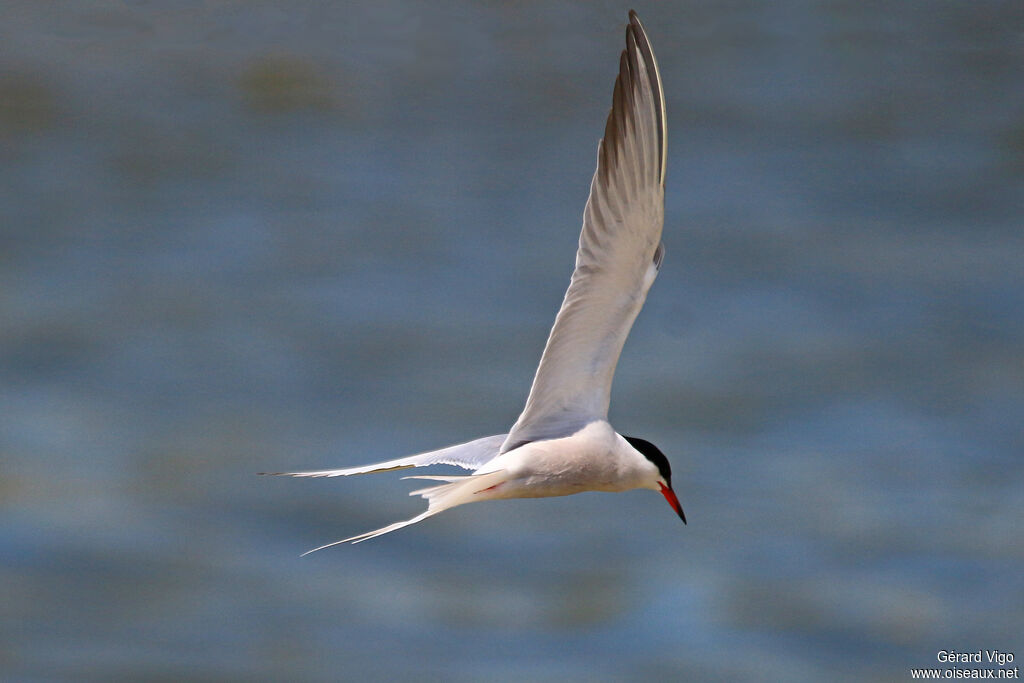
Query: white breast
<point>595,458</point>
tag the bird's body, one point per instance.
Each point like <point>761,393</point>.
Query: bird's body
<point>562,442</point>
<point>596,458</point>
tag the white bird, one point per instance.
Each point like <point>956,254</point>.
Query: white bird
<point>562,442</point>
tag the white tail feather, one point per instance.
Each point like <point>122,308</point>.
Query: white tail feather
<point>458,490</point>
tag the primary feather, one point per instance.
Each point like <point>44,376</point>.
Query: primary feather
<point>470,456</point>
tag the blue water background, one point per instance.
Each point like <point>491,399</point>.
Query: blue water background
<point>238,237</point>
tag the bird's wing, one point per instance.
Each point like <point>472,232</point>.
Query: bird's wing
<point>619,255</point>
<point>469,456</point>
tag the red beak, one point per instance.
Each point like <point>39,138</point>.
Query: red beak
<point>670,496</point>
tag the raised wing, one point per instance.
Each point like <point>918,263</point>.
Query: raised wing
<point>618,258</point>
<point>470,456</point>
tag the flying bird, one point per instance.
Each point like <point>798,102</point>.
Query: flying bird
<point>562,442</point>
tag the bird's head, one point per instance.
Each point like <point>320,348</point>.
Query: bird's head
<point>663,480</point>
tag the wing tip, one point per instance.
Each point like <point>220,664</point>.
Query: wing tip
<point>345,472</point>
<point>624,100</point>
<point>643,45</point>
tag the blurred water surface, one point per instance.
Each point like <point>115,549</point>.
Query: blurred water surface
<point>246,236</point>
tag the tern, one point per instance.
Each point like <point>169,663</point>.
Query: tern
<point>562,442</point>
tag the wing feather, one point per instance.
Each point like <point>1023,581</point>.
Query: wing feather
<point>618,258</point>
<point>470,456</point>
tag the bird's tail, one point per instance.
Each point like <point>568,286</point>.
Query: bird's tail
<point>457,490</point>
